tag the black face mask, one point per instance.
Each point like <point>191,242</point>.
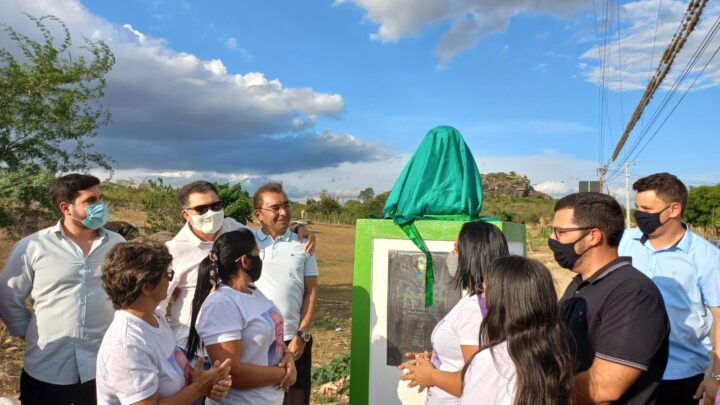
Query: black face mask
<point>255,269</point>
<point>564,253</point>
<point>649,222</point>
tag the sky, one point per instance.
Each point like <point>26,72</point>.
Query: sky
<point>337,95</point>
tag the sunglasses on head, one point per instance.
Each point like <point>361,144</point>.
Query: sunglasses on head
<point>213,206</point>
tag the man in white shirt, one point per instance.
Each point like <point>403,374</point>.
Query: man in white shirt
<point>289,279</point>
<point>59,268</point>
<point>203,211</point>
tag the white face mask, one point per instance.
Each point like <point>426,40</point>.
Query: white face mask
<point>209,222</point>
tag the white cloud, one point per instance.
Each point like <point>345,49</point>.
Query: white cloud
<point>171,108</point>
<point>470,20</point>
<point>556,188</point>
<point>546,172</point>
<point>631,60</point>
<point>231,43</point>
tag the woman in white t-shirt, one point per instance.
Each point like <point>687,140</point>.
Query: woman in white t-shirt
<point>455,338</point>
<point>524,355</point>
<point>138,361</point>
<point>236,321</point>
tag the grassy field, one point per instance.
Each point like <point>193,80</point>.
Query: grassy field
<point>336,244</point>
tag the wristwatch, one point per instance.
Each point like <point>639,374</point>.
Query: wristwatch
<point>715,376</point>
<point>305,336</point>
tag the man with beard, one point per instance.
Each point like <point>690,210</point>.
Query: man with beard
<point>614,313</point>
<point>59,268</point>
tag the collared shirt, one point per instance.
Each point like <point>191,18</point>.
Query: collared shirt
<point>688,276</point>
<point>618,315</point>
<point>285,266</point>
<point>71,310</point>
<point>187,251</point>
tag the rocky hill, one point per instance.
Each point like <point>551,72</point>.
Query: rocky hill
<point>510,185</point>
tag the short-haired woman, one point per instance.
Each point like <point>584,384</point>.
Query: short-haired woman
<point>139,362</point>
<point>237,322</point>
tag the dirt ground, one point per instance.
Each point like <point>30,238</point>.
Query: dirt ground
<point>336,245</point>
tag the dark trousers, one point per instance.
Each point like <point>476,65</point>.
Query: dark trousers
<point>679,392</point>
<point>36,392</point>
<point>299,394</point>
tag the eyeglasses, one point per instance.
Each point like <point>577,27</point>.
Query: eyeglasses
<point>202,209</point>
<point>559,231</point>
<point>275,209</point>
<point>258,253</point>
<point>170,273</point>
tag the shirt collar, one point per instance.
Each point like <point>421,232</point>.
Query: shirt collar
<point>60,231</point>
<point>188,234</point>
<point>262,236</point>
<point>682,244</point>
<point>605,270</point>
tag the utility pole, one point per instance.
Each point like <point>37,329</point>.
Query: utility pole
<point>627,193</point>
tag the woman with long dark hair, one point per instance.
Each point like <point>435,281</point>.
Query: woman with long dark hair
<point>455,338</point>
<point>238,322</point>
<point>524,356</point>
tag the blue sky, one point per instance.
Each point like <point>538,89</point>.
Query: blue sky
<point>337,95</point>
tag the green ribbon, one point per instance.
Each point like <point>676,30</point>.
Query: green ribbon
<point>408,226</point>
<point>414,235</point>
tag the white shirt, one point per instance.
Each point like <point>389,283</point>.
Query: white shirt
<point>187,251</point>
<point>136,360</point>
<point>71,310</point>
<point>228,315</point>
<point>461,326</point>
<point>285,266</point>
<point>490,379</point>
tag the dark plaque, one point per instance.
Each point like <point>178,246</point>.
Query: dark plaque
<point>409,323</point>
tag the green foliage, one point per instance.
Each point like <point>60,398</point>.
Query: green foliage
<point>49,107</point>
<point>703,208</point>
<point>161,206</point>
<point>521,210</point>
<point>123,193</point>
<point>337,369</point>
<point>327,322</point>
<point>238,203</point>
<point>366,195</point>
<point>24,195</point>
<point>327,204</point>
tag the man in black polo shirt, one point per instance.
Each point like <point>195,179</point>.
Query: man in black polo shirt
<point>614,313</point>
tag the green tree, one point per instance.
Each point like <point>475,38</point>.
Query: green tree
<point>238,204</point>
<point>50,106</point>
<point>328,204</point>
<point>703,207</point>
<point>366,195</point>
<point>161,206</point>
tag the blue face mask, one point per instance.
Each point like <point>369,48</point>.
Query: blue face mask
<point>97,216</point>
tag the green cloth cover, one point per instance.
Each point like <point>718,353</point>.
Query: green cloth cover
<point>441,181</point>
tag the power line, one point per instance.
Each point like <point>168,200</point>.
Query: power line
<point>692,15</point>
<point>677,85</point>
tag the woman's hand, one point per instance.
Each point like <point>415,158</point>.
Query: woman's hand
<point>288,363</point>
<point>426,355</point>
<point>304,234</point>
<point>214,383</point>
<point>419,372</point>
